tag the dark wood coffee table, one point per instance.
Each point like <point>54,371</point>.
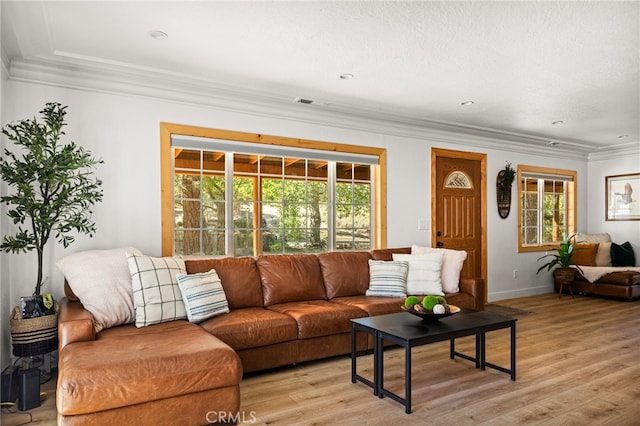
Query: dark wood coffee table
<point>407,330</point>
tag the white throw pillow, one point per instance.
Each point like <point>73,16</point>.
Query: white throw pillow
<point>452,262</point>
<point>203,295</point>
<point>387,278</point>
<point>156,294</point>
<point>102,282</point>
<point>424,276</point>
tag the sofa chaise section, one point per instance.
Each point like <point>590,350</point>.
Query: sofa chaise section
<point>143,376</point>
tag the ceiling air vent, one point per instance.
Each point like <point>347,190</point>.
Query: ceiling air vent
<point>304,101</point>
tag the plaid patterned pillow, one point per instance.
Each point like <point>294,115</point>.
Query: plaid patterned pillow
<point>156,294</point>
<point>203,295</point>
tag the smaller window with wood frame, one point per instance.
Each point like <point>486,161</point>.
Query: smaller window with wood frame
<point>547,207</point>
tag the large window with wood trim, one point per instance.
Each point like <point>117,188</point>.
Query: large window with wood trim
<point>226,194</point>
<point>547,207</point>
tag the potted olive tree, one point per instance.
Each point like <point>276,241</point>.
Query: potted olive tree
<point>51,188</point>
<point>562,259</point>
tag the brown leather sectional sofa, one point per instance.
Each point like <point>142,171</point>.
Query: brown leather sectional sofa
<point>284,309</point>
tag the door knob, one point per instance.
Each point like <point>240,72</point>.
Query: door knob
<point>438,234</point>
<point>439,244</point>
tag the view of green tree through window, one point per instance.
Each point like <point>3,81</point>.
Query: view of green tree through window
<point>547,200</point>
<point>279,204</point>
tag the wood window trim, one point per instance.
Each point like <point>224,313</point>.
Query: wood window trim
<point>166,171</point>
<point>572,214</point>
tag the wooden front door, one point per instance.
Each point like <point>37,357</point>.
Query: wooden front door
<point>458,207</point>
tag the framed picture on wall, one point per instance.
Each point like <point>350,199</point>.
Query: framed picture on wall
<point>622,197</point>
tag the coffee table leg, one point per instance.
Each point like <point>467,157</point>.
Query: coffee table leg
<point>407,380</point>
<point>353,353</point>
<point>513,351</point>
<point>481,353</point>
<point>378,365</point>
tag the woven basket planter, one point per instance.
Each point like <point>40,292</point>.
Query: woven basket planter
<point>34,336</point>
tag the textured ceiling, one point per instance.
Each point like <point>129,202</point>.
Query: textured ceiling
<point>524,64</point>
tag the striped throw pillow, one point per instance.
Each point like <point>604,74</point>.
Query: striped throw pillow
<point>203,295</point>
<point>388,278</point>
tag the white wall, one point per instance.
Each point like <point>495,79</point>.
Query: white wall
<point>5,288</point>
<point>620,231</point>
<point>124,132</point>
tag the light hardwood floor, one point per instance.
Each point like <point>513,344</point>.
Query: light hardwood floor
<point>578,363</point>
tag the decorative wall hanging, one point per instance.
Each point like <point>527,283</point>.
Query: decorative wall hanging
<point>503,190</point>
<point>622,202</point>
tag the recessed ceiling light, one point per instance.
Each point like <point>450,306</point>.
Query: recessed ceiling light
<point>346,76</point>
<point>557,122</point>
<point>467,103</point>
<point>158,35</point>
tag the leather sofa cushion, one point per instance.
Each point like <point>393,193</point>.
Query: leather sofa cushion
<point>345,273</point>
<point>252,328</point>
<point>623,278</point>
<point>290,278</point>
<point>132,366</point>
<point>239,276</point>
<point>317,318</point>
<point>387,254</point>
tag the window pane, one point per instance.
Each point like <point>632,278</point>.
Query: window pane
<point>189,241</point>
<point>270,165</point>
<point>244,163</point>
<point>344,239</point>
<point>213,187</point>
<point>362,216</point>
<point>243,215</point>
<point>362,238</point>
<point>186,159</point>
<point>243,188</point>
<point>362,193</point>
<point>213,160</point>
<point>317,192</point>
<point>213,214</point>
<point>317,169</point>
<point>295,167</point>
<point>272,189</point>
<point>344,193</point>
<point>295,191</point>
<point>243,242</point>
<point>271,215</point>
<point>294,241</point>
<point>272,241</point>
<point>317,215</point>
<point>213,242</point>
<point>186,185</point>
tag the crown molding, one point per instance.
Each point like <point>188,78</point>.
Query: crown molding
<point>107,77</point>
<point>631,149</point>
